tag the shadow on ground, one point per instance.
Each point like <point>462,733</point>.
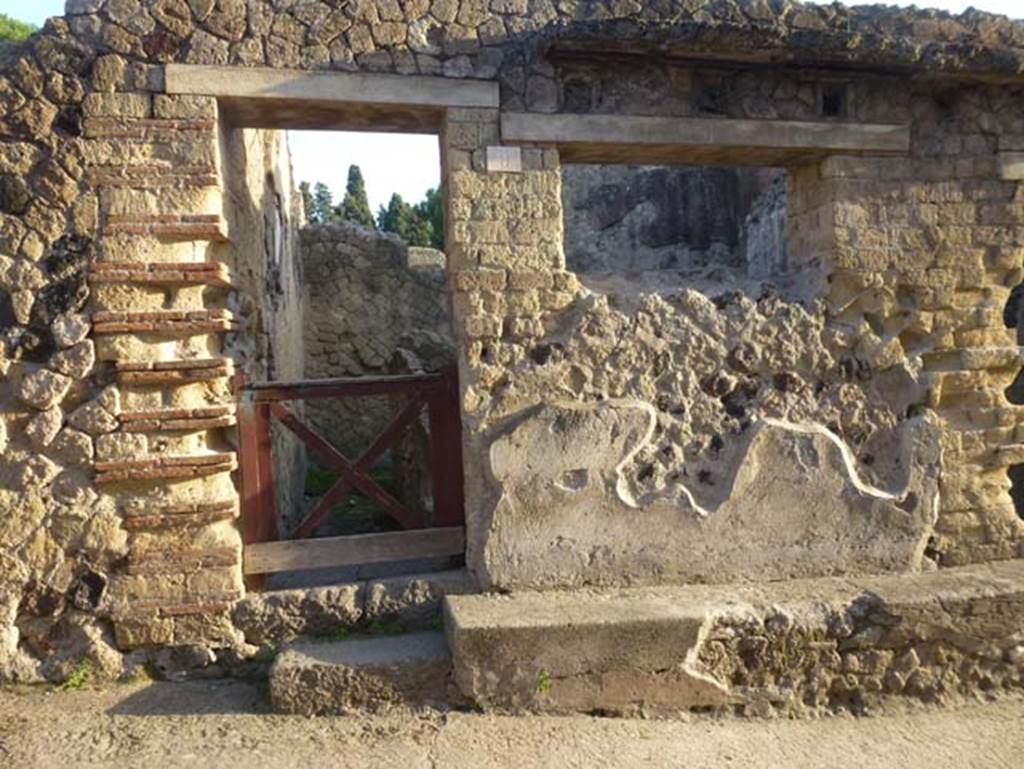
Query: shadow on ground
<point>193,698</point>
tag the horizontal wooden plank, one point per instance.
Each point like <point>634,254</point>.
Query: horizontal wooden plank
<point>632,138</point>
<point>311,389</point>
<point>283,98</point>
<point>333,552</point>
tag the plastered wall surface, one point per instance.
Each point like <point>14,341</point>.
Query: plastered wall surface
<point>614,434</point>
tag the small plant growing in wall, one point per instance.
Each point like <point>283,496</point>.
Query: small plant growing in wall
<point>543,681</point>
<point>79,678</point>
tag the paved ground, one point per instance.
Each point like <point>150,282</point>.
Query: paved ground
<point>225,724</point>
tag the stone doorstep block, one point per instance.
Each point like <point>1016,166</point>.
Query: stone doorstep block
<point>408,601</point>
<point>573,651</point>
<point>616,650</point>
<point>361,674</point>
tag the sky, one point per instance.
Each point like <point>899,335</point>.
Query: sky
<point>408,165</point>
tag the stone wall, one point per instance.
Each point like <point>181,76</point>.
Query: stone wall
<point>645,433</point>
<point>264,212</point>
<point>628,218</point>
<point>710,404</point>
<point>375,306</point>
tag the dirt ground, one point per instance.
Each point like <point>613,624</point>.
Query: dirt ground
<point>226,724</point>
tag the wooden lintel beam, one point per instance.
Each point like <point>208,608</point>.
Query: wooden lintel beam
<point>630,138</point>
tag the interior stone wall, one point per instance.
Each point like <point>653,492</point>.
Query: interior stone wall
<point>264,211</point>
<point>629,218</point>
<point>375,306</point>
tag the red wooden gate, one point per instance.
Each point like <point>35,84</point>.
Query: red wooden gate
<point>267,551</point>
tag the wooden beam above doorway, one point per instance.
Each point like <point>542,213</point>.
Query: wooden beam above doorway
<point>262,97</point>
<point>705,141</point>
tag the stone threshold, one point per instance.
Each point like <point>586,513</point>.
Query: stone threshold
<point>796,647</point>
<point>172,227</point>
<point>165,468</point>
<point>158,273</point>
<point>174,371</point>
<point>178,420</point>
<point>164,322</point>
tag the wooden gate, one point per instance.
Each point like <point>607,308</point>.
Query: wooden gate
<point>266,550</point>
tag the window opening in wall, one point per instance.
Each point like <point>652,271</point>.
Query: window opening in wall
<point>358,376</point>
<point>833,100</point>
<point>686,219</point>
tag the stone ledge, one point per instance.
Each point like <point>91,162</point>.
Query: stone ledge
<point>164,322</point>
<point>158,273</point>
<point>172,227</point>
<point>182,516</point>
<point>165,468</point>
<point>821,644</point>
<point>184,420</point>
<point>174,372</point>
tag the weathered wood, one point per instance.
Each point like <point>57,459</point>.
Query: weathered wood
<point>264,97</point>
<point>344,467</point>
<point>633,138</point>
<point>267,497</point>
<point>342,486</point>
<point>333,552</point>
<point>347,387</point>
<point>446,454</point>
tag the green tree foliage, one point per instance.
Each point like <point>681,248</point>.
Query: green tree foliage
<point>431,211</point>
<point>421,224</point>
<point>356,206</point>
<point>322,210</point>
<point>405,221</point>
<point>12,30</point>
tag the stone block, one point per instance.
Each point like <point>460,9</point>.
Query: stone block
<point>666,649</point>
<point>281,615</point>
<point>361,674</point>
<point>130,105</point>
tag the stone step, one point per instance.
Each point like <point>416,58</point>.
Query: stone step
<point>796,647</point>
<point>372,673</point>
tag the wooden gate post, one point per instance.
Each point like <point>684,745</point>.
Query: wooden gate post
<point>257,506</point>
<point>446,451</point>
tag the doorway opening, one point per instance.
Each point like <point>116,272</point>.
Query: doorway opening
<point>348,419</point>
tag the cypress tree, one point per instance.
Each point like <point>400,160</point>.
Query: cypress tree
<point>356,206</point>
